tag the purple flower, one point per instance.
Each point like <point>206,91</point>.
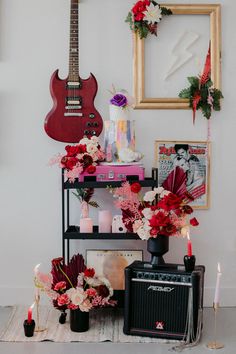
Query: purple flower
<point>119,100</point>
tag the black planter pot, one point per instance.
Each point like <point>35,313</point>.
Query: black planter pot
<point>158,247</point>
<point>79,321</point>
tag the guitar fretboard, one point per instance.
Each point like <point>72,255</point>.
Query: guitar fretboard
<point>74,41</point>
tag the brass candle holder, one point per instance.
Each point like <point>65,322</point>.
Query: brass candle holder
<point>38,328</point>
<point>214,344</point>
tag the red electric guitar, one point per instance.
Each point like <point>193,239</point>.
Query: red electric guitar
<point>73,114</point>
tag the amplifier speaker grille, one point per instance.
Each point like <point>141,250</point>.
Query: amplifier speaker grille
<point>151,306</point>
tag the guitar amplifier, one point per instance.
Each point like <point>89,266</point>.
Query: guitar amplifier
<point>164,302</point>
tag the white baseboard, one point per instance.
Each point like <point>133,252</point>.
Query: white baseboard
<point>24,296</point>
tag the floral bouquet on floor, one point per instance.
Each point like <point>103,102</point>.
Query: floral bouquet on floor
<point>157,212</point>
<point>81,157</point>
<point>145,16</point>
<point>74,286</point>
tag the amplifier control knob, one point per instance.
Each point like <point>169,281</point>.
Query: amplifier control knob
<point>163,277</point>
<point>146,275</point>
<point>139,275</point>
<point>174,278</point>
<point>167,277</point>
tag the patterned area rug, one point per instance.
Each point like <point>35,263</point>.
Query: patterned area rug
<point>105,325</point>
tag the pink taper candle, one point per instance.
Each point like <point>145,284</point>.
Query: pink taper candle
<point>217,290</point>
<point>104,221</point>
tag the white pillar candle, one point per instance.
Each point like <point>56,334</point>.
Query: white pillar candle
<point>86,225</point>
<point>217,290</point>
<point>104,221</point>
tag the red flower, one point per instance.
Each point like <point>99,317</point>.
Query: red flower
<point>63,300</point>
<point>187,209</point>
<point>57,261</point>
<point>154,231</point>
<point>170,202</point>
<point>135,187</point>
<point>194,222</point>
<point>60,286</point>
<point>89,272</point>
<point>159,219</point>
<point>103,291</point>
<point>69,162</point>
<point>72,151</point>
<point>139,8</point>
<point>91,169</point>
<point>87,160</point>
<point>169,230</point>
<point>91,292</point>
<point>72,307</point>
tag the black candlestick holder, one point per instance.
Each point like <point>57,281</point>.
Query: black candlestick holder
<point>189,262</point>
<point>29,328</point>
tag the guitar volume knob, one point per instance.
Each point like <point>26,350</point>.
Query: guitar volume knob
<point>86,132</point>
<point>93,132</point>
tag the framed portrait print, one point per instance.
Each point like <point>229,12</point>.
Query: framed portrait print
<point>111,264</point>
<point>161,65</point>
<point>193,157</point>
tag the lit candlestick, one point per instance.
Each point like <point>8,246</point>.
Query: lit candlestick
<point>29,319</point>
<point>217,290</point>
<point>189,245</point>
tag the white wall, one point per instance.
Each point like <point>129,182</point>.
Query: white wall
<point>33,43</point>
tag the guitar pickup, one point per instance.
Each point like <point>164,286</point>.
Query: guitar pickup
<point>73,107</point>
<point>73,114</point>
<point>73,84</point>
<point>73,100</point>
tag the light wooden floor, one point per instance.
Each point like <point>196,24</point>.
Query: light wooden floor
<point>226,330</point>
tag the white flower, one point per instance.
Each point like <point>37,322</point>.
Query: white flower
<point>152,14</point>
<point>149,196</point>
<point>147,213</point>
<point>91,149</point>
<point>94,139</point>
<point>159,190</point>
<point>77,296</point>
<point>84,141</point>
<point>95,281</point>
<point>143,234</point>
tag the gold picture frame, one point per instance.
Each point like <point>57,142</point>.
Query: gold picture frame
<point>194,159</point>
<point>143,102</point>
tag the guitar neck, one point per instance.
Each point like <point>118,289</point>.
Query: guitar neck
<point>74,41</point>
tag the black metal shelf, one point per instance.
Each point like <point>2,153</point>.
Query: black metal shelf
<point>147,182</point>
<point>73,233</point>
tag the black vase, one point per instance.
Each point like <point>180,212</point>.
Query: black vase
<point>79,321</point>
<point>158,247</point>
<point>62,318</point>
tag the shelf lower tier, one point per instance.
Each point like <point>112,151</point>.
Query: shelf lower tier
<point>73,233</point>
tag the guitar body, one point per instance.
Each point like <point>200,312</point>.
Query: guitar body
<point>73,115</point>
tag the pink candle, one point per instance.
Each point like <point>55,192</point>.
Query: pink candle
<point>29,319</point>
<point>104,221</point>
<point>189,245</point>
<point>86,225</point>
<point>217,289</point>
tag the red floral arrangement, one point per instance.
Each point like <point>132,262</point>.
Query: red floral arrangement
<point>145,16</point>
<point>158,212</point>
<point>81,157</point>
<point>74,286</point>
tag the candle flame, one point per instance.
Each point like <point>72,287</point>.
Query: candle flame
<point>188,236</point>
<point>218,267</point>
<point>36,268</point>
<point>32,306</point>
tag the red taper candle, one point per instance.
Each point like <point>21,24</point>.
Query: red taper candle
<point>189,245</point>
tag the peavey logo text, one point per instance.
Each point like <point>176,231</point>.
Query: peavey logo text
<point>166,289</point>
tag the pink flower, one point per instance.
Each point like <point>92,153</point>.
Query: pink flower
<point>63,300</point>
<point>72,307</point>
<point>91,292</point>
<point>60,286</point>
<point>85,306</point>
